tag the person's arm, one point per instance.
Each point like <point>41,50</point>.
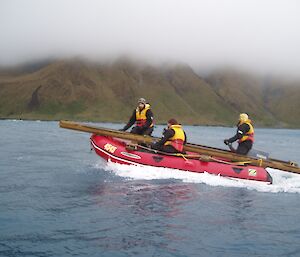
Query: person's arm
<point>130,122</point>
<point>232,139</point>
<point>149,120</point>
<point>166,136</point>
<point>241,131</point>
<point>185,139</point>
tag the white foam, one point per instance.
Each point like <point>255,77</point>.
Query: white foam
<point>282,181</point>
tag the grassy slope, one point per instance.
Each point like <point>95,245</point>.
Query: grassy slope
<point>87,91</point>
<point>244,93</point>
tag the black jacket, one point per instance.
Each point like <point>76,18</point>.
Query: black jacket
<point>167,134</point>
<point>132,120</point>
<point>241,131</point>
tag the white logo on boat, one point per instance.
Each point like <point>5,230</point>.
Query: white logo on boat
<point>134,156</point>
<point>110,148</point>
<point>252,172</point>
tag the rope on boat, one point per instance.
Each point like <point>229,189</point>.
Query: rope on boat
<point>242,163</point>
<point>181,155</point>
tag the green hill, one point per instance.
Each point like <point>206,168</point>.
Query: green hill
<point>82,90</point>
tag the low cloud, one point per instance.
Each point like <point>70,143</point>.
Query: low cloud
<point>255,35</point>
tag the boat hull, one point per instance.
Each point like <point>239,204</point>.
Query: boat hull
<point>115,150</point>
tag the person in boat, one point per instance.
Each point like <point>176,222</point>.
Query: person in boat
<point>244,135</point>
<point>142,117</point>
<point>173,140</point>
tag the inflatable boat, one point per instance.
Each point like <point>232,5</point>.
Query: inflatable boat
<point>116,146</point>
<point>123,152</point>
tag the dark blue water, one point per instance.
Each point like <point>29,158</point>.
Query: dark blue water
<point>60,199</point>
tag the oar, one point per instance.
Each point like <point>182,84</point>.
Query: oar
<point>205,150</point>
<point>106,132</point>
<point>276,164</point>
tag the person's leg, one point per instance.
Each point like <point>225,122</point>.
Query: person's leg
<point>244,147</point>
<point>168,149</point>
<point>136,130</point>
<point>148,131</point>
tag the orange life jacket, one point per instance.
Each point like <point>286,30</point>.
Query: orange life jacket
<point>250,134</point>
<point>178,139</point>
<point>140,116</point>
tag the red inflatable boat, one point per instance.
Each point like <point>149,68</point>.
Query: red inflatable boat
<point>115,150</point>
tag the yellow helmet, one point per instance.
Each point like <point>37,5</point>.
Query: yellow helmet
<point>244,117</point>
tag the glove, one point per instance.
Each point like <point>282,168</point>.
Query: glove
<point>122,129</point>
<point>153,145</point>
<point>226,141</point>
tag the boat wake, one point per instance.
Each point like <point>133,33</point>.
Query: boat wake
<point>282,181</point>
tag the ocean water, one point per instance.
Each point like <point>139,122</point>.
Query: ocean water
<point>58,198</point>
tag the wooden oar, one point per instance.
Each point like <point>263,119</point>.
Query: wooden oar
<point>106,132</point>
<point>210,151</point>
<point>271,163</point>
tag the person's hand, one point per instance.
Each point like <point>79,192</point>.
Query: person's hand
<point>122,129</point>
<point>153,145</point>
<point>226,141</point>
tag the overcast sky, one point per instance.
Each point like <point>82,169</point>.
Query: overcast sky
<point>253,34</point>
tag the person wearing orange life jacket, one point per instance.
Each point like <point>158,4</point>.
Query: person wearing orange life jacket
<point>173,139</point>
<point>142,117</point>
<point>244,135</point>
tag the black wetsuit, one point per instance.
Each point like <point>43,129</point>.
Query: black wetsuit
<point>141,130</point>
<point>167,134</point>
<point>245,146</point>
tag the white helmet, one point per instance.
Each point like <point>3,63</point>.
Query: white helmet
<point>142,100</point>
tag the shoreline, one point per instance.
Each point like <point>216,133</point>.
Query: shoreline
<point>158,123</point>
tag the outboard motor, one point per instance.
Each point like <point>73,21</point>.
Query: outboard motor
<point>258,154</point>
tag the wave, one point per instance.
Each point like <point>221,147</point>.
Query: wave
<point>282,181</point>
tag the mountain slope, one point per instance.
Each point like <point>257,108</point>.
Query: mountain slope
<point>81,90</point>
